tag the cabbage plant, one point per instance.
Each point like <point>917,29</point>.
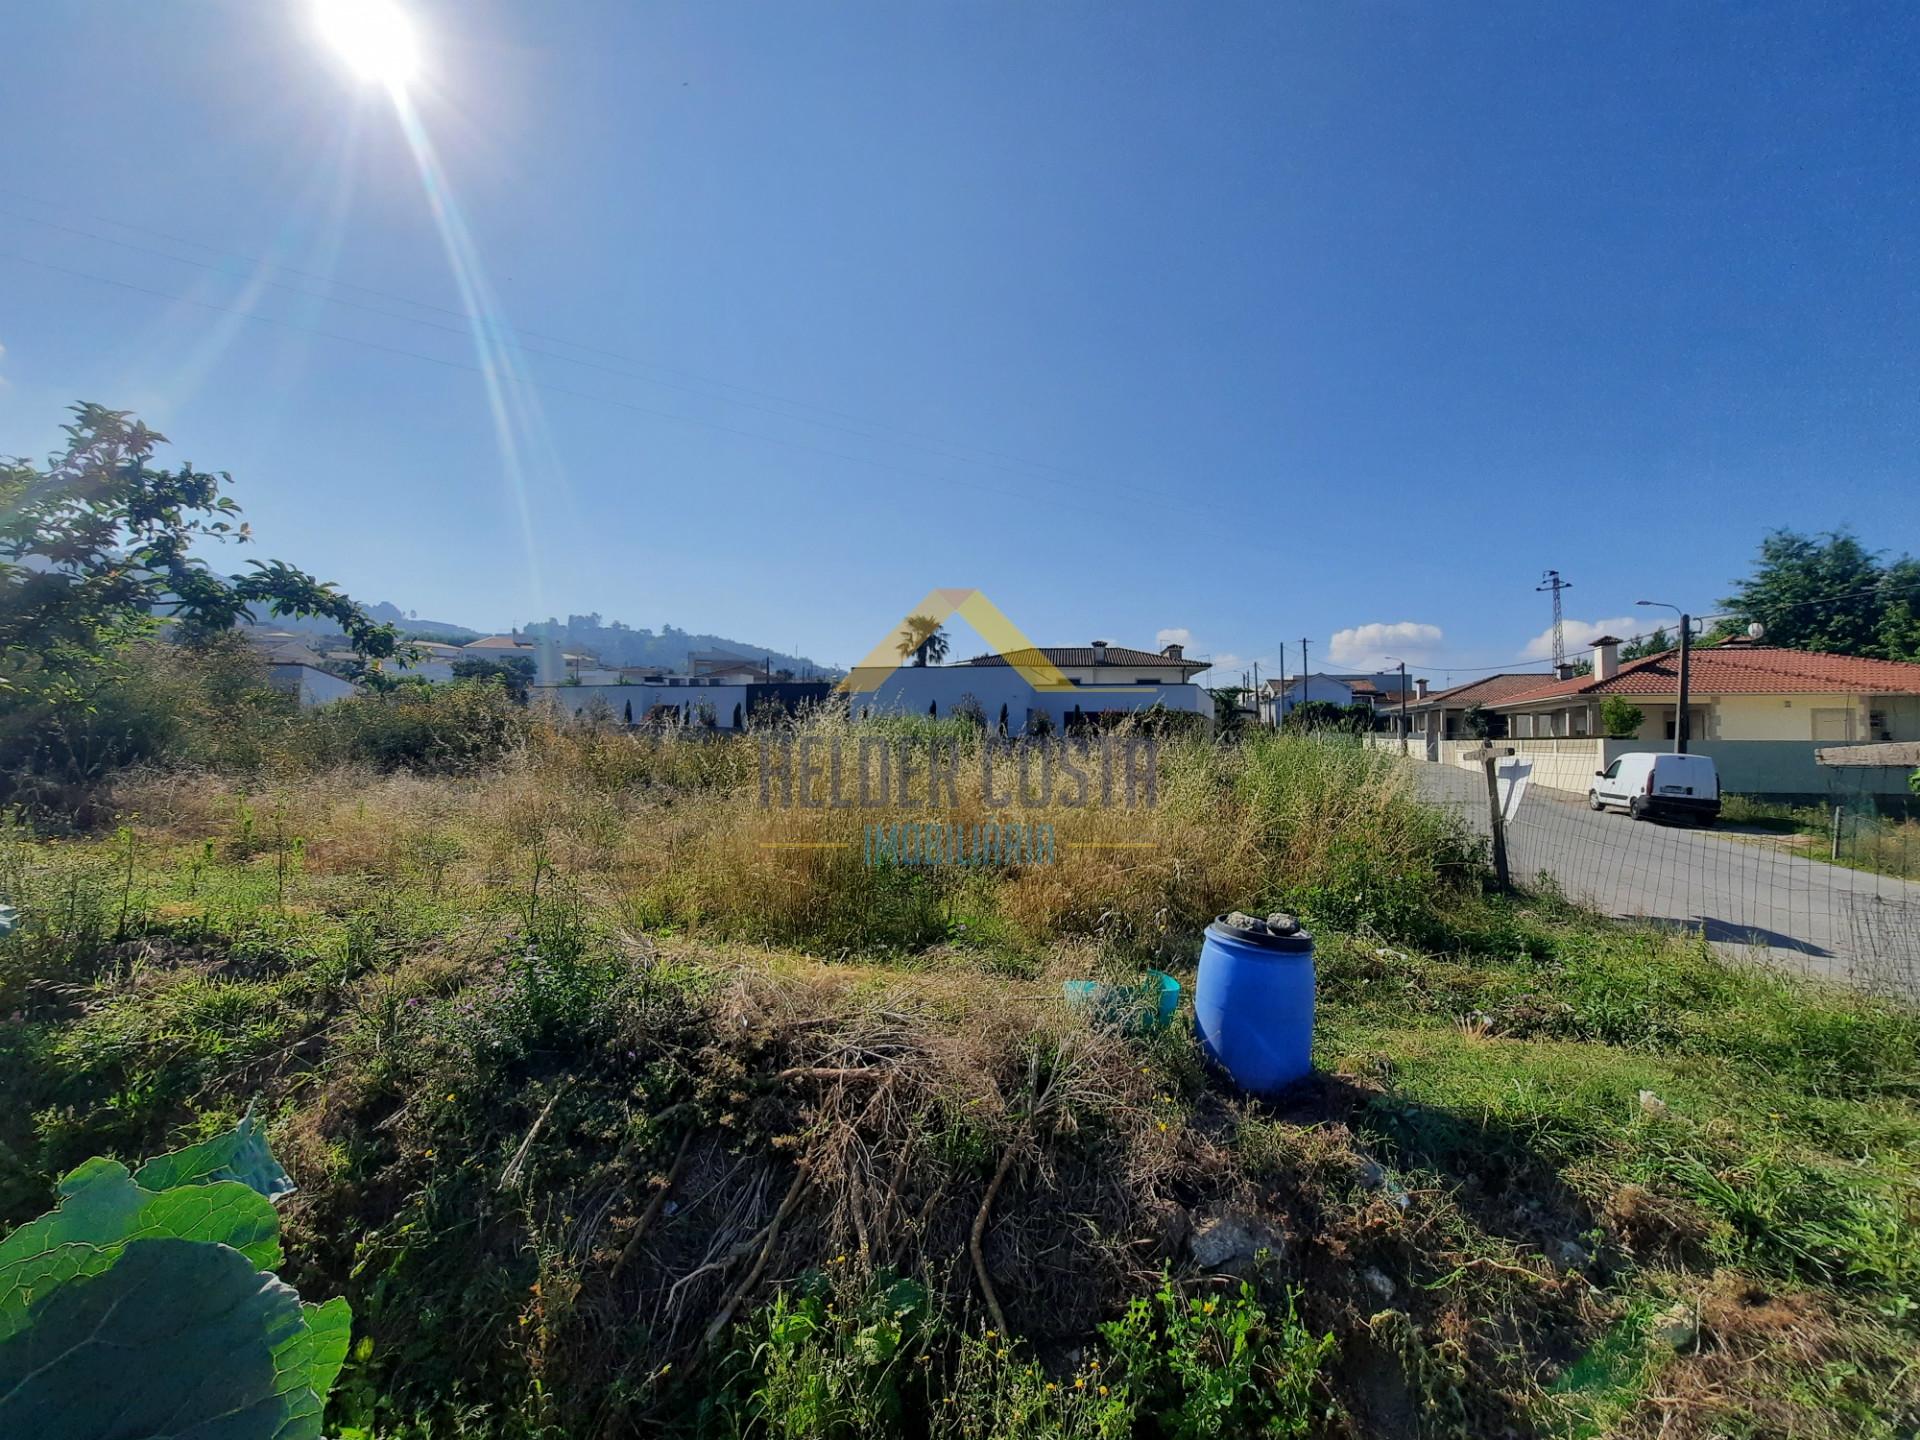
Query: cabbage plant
<point>145,1304</point>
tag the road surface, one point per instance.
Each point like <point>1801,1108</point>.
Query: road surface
<point>1751,895</point>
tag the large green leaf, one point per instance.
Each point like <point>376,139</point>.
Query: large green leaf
<point>308,1364</point>
<point>176,1338</point>
<point>240,1154</point>
<point>102,1207</point>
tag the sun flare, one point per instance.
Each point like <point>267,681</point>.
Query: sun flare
<point>374,37</point>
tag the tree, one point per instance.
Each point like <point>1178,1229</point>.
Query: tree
<point>513,671</point>
<point>1620,718</point>
<point>1482,723</point>
<point>1658,643</point>
<point>924,639</point>
<point>96,551</point>
<point>1827,592</point>
<point>1228,716</point>
<point>1320,715</point>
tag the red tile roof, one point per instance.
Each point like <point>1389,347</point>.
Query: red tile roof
<point>1488,690</point>
<point>1740,669</point>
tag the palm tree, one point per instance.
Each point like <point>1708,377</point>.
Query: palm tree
<point>923,638</point>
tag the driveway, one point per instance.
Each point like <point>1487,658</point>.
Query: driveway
<point>1751,895</point>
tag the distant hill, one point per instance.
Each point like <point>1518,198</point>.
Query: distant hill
<point>385,610</point>
<point>617,643</point>
<point>613,641</point>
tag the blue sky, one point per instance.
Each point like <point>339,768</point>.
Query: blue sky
<point>1244,321</point>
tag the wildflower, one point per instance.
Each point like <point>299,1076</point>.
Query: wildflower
<point>1051,1387</point>
<point>1103,1389</point>
<point>990,1335</point>
<point>1079,1382</point>
<point>449,1094</point>
<point>524,1320</point>
<point>429,1154</point>
<point>1209,1306</point>
<point>1163,1127</point>
<point>1093,1364</point>
<point>1000,1354</point>
<point>664,1368</point>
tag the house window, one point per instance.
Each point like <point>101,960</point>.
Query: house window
<point>1579,723</point>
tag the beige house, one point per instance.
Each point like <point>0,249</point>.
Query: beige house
<point>1736,691</point>
<point>1760,711</point>
<point>1104,664</point>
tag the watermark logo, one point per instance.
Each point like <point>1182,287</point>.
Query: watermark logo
<point>948,775</point>
<point>880,772</point>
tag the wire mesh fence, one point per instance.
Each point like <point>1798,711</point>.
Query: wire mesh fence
<point>1824,891</point>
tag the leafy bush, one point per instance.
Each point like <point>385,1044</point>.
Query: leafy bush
<point>1620,717</point>
<point>456,727</point>
<point>1214,1366</point>
<point>828,1361</point>
<point>145,1304</point>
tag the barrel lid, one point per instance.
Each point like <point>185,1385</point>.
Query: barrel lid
<point>1278,931</point>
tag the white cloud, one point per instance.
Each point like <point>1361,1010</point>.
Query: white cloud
<point>1173,635</point>
<point>1366,647</point>
<point>1582,633</point>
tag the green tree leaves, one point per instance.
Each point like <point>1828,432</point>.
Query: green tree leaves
<point>95,549</point>
<point>1831,593</point>
<point>145,1305</point>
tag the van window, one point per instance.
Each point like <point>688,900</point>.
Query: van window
<point>1613,771</point>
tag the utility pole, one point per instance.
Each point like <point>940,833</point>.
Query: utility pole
<point>1552,581</point>
<point>1680,725</point>
<point>1403,707</point>
<point>1303,671</point>
<point>1681,728</point>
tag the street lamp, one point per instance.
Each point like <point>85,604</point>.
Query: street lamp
<point>1680,726</point>
<point>1396,660</point>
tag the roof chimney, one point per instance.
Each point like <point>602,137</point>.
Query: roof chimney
<point>1099,652</point>
<point>1606,657</point>
<point>1564,671</point>
<point>1172,652</point>
<point>1420,689</point>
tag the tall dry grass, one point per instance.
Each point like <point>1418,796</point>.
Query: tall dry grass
<point>682,831</point>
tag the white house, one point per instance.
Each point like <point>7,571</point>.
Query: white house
<point>308,684</point>
<point>1103,681</point>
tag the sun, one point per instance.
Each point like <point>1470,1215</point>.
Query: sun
<point>373,36</point>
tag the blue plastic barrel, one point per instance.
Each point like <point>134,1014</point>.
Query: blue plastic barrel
<point>1253,1001</point>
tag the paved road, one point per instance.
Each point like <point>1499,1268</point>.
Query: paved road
<point>1751,895</point>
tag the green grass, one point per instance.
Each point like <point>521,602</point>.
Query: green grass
<point>1867,840</point>
<point>483,1047</point>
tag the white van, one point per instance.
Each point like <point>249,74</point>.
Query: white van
<point>1659,784</point>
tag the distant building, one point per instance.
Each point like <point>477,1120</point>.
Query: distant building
<point>1378,689</point>
<point>308,684</point>
<point>1104,682</point>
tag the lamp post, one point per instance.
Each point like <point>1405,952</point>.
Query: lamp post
<point>1680,726</point>
<point>1403,700</point>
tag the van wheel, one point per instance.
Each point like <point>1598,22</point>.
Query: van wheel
<point>1636,810</point>
<point>1593,800</point>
